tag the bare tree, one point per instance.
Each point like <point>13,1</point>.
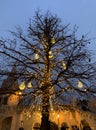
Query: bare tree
<point>52,59</point>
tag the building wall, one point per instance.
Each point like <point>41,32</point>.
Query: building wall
<point>27,119</point>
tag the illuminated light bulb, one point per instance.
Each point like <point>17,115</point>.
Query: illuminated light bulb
<point>36,56</point>
<point>58,115</point>
<point>63,90</point>
<point>51,109</point>
<point>29,85</point>
<point>64,65</point>
<point>85,89</point>
<point>80,85</point>
<point>53,40</point>
<point>20,93</point>
<point>66,88</point>
<point>29,116</point>
<point>50,54</point>
<point>22,86</point>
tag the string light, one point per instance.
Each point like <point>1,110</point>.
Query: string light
<point>53,40</point>
<point>36,56</point>
<point>29,85</point>
<point>80,85</point>
<point>52,109</point>
<point>85,89</point>
<point>20,93</point>
<point>66,88</point>
<point>58,116</point>
<point>63,90</point>
<point>22,86</point>
<point>50,54</point>
<point>64,65</point>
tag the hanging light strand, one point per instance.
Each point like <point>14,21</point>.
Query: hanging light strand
<point>22,86</point>
<point>36,56</point>
<point>64,65</point>
<point>53,41</point>
<point>29,85</point>
<point>50,55</point>
<point>80,84</point>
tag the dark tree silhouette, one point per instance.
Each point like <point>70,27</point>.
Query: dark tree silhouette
<point>52,59</point>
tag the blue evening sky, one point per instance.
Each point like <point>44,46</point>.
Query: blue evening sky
<point>79,12</point>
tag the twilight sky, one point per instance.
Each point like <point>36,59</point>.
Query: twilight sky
<point>79,12</point>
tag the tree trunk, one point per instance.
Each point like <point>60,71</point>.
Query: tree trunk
<point>45,123</point>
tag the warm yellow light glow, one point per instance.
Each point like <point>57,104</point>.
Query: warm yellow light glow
<point>64,65</point>
<point>13,99</point>
<point>36,56</point>
<point>22,86</point>
<point>85,89</point>
<point>50,54</point>
<point>53,40</point>
<point>58,116</point>
<point>80,85</point>
<point>29,115</point>
<point>20,93</point>
<point>51,109</point>
<point>29,85</point>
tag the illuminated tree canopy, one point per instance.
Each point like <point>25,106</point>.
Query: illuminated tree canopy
<point>51,60</point>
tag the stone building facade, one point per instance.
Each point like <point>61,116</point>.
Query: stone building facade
<point>68,117</point>
<point>12,118</point>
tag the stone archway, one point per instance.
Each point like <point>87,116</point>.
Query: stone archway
<point>53,126</point>
<point>75,127</point>
<point>21,128</point>
<point>85,125</point>
<point>36,126</point>
<point>64,126</point>
<point>6,123</point>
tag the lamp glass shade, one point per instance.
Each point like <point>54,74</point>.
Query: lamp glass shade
<point>80,85</point>
<point>50,55</point>
<point>29,85</point>
<point>64,65</point>
<point>20,93</point>
<point>22,86</point>
<point>36,56</point>
<point>53,40</point>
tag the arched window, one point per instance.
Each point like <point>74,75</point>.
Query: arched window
<point>64,126</point>
<point>85,125</point>
<point>6,123</point>
<point>75,127</point>
<point>53,126</point>
<point>5,100</point>
<point>36,126</point>
<point>21,128</point>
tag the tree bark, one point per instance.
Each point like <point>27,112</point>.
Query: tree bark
<point>45,123</point>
